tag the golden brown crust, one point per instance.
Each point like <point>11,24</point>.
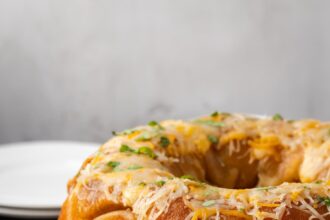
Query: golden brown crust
<point>65,212</point>
<point>177,211</point>
<point>117,215</point>
<point>72,182</point>
<point>94,204</point>
<point>296,214</point>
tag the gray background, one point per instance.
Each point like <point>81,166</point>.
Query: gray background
<point>76,70</point>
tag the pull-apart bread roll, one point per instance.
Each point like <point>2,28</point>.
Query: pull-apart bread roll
<point>221,166</point>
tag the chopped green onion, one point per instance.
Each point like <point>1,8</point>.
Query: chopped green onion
<point>125,132</point>
<point>160,183</point>
<point>307,187</point>
<point>277,117</point>
<point>325,200</point>
<point>152,123</point>
<point>215,114</point>
<point>164,142</point>
<point>155,124</point>
<point>125,148</point>
<point>213,139</point>
<point>145,136</point>
<point>142,150</point>
<point>189,177</point>
<point>208,203</point>
<point>134,167</point>
<point>128,131</point>
<point>209,191</point>
<point>113,164</point>
<point>142,184</point>
<point>147,151</point>
<point>318,181</point>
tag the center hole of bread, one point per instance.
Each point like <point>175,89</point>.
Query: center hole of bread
<point>229,167</point>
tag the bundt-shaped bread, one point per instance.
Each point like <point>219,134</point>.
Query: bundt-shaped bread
<point>222,166</point>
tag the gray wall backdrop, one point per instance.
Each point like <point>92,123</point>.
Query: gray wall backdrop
<point>77,70</point>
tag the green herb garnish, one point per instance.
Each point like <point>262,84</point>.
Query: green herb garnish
<point>164,142</point>
<point>208,203</point>
<point>125,148</point>
<point>125,132</point>
<point>213,139</point>
<point>142,184</point>
<point>277,117</point>
<point>306,187</point>
<point>146,151</point>
<point>152,123</point>
<point>142,150</point>
<point>160,183</point>
<point>149,134</point>
<point>241,209</point>
<point>318,181</point>
<point>155,124</point>
<point>189,177</point>
<point>215,114</point>
<point>145,136</point>
<point>325,200</point>
<point>209,191</point>
<point>113,164</point>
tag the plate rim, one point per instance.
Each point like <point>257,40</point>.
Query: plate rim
<point>28,213</point>
<point>17,145</point>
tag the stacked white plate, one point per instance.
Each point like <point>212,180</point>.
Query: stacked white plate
<point>33,176</point>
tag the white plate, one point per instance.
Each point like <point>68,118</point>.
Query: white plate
<point>34,174</point>
<point>29,213</point>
